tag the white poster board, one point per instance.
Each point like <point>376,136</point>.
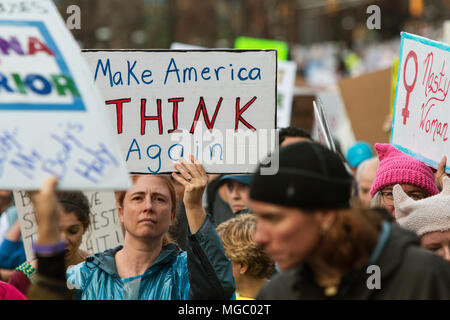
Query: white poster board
<point>50,122</point>
<point>337,117</point>
<point>103,233</point>
<point>286,82</point>
<point>422,110</point>
<point>324,133</point>
<point>218,105</point>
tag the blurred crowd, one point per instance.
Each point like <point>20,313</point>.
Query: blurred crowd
<point>371,224</point>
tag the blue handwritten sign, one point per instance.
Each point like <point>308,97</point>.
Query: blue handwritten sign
<point>90,163</point>
<point>168,104</point>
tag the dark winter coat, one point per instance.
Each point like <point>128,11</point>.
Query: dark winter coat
<point>407,272</point>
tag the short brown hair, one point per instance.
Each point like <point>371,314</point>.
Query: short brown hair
<point>120,196</point>
<point>237,238</point>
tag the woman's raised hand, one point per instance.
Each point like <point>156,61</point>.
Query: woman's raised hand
<point>47,210</point>
<point>193,177</point>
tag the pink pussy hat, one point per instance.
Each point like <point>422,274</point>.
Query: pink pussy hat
<point>397,167</point>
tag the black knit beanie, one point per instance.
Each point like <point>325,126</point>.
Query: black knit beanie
<point>310,176</point>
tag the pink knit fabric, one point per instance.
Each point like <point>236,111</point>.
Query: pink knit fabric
<point>9,292</point>
<point>398,167</point>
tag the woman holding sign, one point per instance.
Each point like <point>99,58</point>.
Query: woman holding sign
<point>148,265</point>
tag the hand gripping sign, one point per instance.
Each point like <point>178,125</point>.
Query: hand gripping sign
<point>422,110</point>
<point>50,122</point>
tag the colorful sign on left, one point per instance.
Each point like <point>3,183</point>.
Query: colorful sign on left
<point>50,122</point>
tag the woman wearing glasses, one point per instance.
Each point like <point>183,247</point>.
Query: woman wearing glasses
<point>416,178</point>
<point>428,218</point>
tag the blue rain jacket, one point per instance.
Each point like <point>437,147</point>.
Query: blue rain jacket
<point>202,272</point>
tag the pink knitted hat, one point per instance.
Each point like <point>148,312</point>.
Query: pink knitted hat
<point>397,167</point>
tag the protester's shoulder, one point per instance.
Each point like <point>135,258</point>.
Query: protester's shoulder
<point>426,262</point>
<point>414,259</point>
<point>100,260</point>
<point>280,286</point>
<point>180,257</point>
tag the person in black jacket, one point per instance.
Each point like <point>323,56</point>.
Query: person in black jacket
<point>326,249</point>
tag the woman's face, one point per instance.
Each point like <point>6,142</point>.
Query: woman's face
<point>288,235</point>
<point>72,231</point>
<point>147,209</point>
<point>438,242</point>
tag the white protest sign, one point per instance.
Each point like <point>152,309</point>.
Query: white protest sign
<point>422,111</point>
<point>324,134</point>
<point>218,105</point>
<point>286,83</point>
<point>103,233</point>
<point>337,119</point>
<point>50,120</point>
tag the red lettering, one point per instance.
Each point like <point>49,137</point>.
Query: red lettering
<point>34,45</point>
<point>434,126</point>
<point>201,107</point>
<point>239,114</point>
<point>144,118</point>
<point>119,113</point>
<point>175,114</point>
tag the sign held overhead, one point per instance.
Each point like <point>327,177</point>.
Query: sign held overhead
<point>50,123</point>
<point>422,111</point>
<point>168,104</point>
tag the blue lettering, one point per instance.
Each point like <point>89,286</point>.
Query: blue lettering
<point>211,150</point>
<point>216,70</point>
<point>118,81</point>
<point>180,155</point>
<point>26,163</point>
<point>239,74</point>
<point>189,70</point>
<point>205,70</point>
<point>30,82</point>
<point>133,150</point>
<point>157,155</point>
<point>172,61</point>
<point>105,69</point>
<point>145,74</point>
<point>4,83</point>
<point>130,72</point>
<point>258,74</point>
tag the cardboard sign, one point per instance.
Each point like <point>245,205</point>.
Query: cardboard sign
<point>218,105</point>
<point>50,123</point>
<point>366,99</point>
<point>422,110</point>
<point>286,83</point>
<point>103,233</point>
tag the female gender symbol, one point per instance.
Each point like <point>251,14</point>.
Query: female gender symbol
<point>409,88</point>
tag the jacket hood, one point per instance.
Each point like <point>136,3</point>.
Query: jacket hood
<point>105,260</point>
